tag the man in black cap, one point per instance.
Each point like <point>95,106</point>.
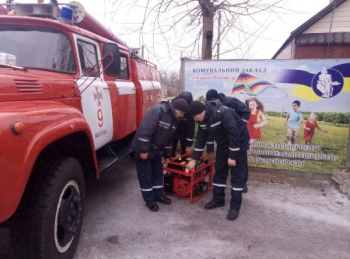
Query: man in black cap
<point>151,143</point>
<point>239,107</point>
<point>185,128</point>
<point>232,138</point>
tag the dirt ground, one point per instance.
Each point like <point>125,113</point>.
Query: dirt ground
<point>281,217</point>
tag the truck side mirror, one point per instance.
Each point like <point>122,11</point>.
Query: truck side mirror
<point>111,63</point>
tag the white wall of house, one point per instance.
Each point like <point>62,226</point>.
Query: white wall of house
<point>340,23</point>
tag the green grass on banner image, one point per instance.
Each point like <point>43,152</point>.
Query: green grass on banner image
<point>333,142</point>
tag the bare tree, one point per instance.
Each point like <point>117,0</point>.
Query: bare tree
<point>182,23</point>
<point>171,81</point>
<point>231,13</point>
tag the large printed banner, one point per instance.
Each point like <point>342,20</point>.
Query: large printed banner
<point>300,108</point>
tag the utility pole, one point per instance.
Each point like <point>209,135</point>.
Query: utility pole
<point>219,35</point>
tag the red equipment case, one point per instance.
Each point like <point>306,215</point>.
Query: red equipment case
<point>191,185</point>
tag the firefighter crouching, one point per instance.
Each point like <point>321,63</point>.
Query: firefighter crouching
<point>151,143</point>
<point>232,138</point>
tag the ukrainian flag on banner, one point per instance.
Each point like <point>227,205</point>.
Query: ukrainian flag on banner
<point>344,69</point>
<point>302,81</point>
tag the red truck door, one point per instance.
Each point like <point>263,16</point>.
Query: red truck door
<point>95,95</point>
<point>126,90</point>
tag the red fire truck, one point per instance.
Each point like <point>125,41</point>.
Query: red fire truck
<point>71,96</point>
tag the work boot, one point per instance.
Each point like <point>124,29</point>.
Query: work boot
<point>232,215</point>
<point>214,204</point>
<point>245,188</point>
<point>152,205</point>
<point>163,200</point>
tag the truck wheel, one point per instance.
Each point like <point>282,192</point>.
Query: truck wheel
<point>49,220</point>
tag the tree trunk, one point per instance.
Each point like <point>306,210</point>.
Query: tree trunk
<point>208,27</point>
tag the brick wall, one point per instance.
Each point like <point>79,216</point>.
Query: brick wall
<point>320,51</point>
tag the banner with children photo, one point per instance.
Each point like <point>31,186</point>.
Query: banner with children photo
<point>300,109</point>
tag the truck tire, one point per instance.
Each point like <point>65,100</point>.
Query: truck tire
<point>49,220</point>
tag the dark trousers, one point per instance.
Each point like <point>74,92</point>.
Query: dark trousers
<point>150,174</point>
<point>247,172</point>
<point>183,143</point>
<point>238,177</point>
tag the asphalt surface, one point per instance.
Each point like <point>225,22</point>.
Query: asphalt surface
<point>278,219</point>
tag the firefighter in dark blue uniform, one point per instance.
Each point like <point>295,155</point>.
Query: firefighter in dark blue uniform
<point>153,142</point>
<point>239,107</point>
<point>185,129</point>
<point>232,138</point>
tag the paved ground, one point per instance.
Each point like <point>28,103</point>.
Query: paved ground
<point>277,220</point>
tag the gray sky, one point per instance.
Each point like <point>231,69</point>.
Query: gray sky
<point>269,41</point>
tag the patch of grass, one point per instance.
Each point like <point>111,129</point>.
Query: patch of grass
<point>333,142</point>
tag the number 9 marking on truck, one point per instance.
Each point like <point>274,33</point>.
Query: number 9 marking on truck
<point>100,117</point>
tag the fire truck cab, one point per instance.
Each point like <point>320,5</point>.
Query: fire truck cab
<point>71,96</point>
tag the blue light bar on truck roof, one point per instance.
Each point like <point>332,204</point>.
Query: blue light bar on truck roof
<point>66,15</point>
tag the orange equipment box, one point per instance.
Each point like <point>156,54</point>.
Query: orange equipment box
<point>191,185</point>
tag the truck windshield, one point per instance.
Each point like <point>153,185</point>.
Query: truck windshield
<point>36,48</point>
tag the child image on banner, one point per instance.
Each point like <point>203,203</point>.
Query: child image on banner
<point>293,121</point>
<point>309,128</point>
<point>256,120</point>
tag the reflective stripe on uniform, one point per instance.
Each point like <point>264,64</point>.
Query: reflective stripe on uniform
<point>158,186</point>
<point>164,123</point>
<point>210,143</point>
<point>144,140</point>
<point>198,149</point>
<point>147,190</point>
<point>215,124</point>
<point>189,139</point>
<point>168,147</point>
<point>234,149</point>
<point>219,185</point>
<point>237,189</point>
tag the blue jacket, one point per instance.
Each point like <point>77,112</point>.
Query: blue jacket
<point>239,107</point>
<point>156,131</point>
<point>186,125</point>
<point>224,126</point>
